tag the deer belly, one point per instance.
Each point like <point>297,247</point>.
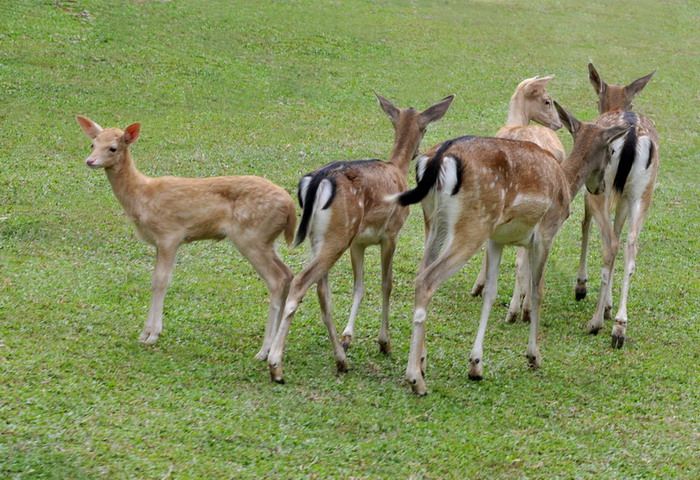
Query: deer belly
<point>512,233</point>
<point>369,236</point>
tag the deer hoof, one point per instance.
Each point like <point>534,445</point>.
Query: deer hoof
<point>581,291</point>
<point>476,369</point>
<point>342,366</point>
<point>526,316</point>
<point>512,317</point>
<point>385,347</point>
<point>476,291</point>
<point>618,341</point>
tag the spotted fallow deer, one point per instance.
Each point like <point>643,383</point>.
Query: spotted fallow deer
<point>343,208</point>
<point>630,178</point>
<point>530,102</point>
<point>169,211</point>
<point>503,192</point>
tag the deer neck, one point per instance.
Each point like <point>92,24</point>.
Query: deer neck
<point>516,112</point>
<point>127,182</point>
<point>576,168</point>
<point>405,147</point>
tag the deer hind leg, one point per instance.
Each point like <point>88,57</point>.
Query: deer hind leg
<point>319,266</point>
<point>610,243</point>
<point>520,289</point>
<point>324,299</point>
<point>493,261</point>
<point>456,255</point>
<point>357,257</point>
<point>637,215</point>
<point>388,248</point>
<point>166,254</point>
<point>277,276</point>
<point>582,278</point>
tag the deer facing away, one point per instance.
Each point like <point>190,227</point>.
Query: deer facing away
<point>343,208</point>
<point>169,211</point>
<point>502,192</point>
<point>630,178</point>
<point>530,102</point>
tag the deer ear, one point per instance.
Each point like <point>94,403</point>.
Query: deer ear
<point>388,108</point>
<point>638,85</point>
<point>435,112</point>
<point>567,118</point>
<point>598,84</point>
<point>90,128</point>
<point>537,85</point>
<point>616,132</point>
<point>131,133</point>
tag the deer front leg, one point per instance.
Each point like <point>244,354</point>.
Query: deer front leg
<point>538,258</point>
<point>357,258</point>
<point>582,278</point>
<point>165,262</point>
<point>480,281</point>
<point>520,288</point>
<point>388,249</point>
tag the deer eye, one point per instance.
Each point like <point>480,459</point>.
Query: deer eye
<point>547,102</point>
<point>112,149</point>
<point>92,146</point>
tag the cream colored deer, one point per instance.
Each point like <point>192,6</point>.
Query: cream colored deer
<point>505,192</point>
<point>343,208</point>
<point>530,102</point>
<point>630,178</point>
<point>169,211</point>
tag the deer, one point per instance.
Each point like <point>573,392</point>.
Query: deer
<point>343,208</point>
<point>631,178</point>
<point>500,192</point>
<point>169,211</point>
<point>530,102</point>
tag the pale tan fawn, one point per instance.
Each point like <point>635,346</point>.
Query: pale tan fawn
<point>529,102</point>
<point>168,211</point>
<point>343,208</point>
<point>630,181</point>
<point>502,192</point>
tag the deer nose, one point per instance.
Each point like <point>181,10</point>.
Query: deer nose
<point>90,162</point>
<point>556,126</point>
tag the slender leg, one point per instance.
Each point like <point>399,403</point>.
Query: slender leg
<point>480,281</point>
<point>357,257</point>
<point>525,290</point>
<point>493,261</point>
<point>277,277</point>
<point>610,246</point>
<point>637,215</point>
<point>388,249</point>
<point>319,266</point>
<point>165,262</point>
<point>426,284</point>
<point>324,300</point>
<point>538,258</point>
<point>520,287</point>
<point>582,279</point>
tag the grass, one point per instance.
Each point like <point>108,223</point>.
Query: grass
<point>277,89</point>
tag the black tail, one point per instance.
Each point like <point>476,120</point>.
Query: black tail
<point>307,204</point>
<point>627,155</point>
<point>431,174</point>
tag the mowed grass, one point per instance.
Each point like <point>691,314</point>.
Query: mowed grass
<point>277,89</point>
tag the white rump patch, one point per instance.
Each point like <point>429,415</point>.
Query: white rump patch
<point>303,188</point>
<point>421,163</point>
<point>448,175</point>
<point>324,192</point>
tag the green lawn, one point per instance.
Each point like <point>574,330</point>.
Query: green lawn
<point>278,88</point>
